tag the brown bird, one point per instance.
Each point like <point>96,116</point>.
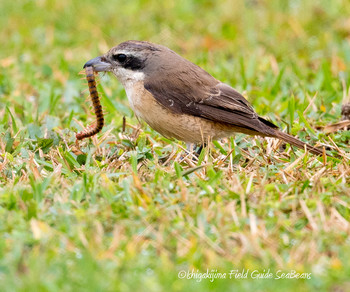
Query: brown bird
<point>180,100</point>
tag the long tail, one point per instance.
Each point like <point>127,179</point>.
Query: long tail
<point>296,142</point>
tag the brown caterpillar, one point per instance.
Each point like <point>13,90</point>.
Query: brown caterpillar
<point>90,77</point>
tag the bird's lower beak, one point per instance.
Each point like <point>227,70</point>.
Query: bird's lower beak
<point>99,64</point>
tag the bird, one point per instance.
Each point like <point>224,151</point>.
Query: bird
<point>181,100</point>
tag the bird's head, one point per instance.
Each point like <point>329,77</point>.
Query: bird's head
<point>135,60</point>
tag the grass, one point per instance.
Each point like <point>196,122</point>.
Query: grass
<point>130,212</point>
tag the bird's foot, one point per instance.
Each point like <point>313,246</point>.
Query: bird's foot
<point>194,149</point>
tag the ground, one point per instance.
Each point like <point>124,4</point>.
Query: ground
<point>130,211</point>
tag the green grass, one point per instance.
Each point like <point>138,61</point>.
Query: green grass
<point>130,212</point>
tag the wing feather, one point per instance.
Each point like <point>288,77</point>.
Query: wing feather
<point>218,103</point>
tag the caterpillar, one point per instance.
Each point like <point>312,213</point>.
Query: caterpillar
<point>90,77</point>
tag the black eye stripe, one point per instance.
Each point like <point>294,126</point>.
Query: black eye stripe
<point>120,57</point>
<point>134,63</point>
<point>129,61</point>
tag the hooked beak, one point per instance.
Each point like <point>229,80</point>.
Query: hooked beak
<point>99,64</point>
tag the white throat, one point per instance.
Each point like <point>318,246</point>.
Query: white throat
<point>130,79</point>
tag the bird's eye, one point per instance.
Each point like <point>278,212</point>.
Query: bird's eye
<point>119,57</point>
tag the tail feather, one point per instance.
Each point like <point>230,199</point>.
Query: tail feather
<point>296,142</point>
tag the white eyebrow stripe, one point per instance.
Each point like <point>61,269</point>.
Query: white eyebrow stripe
<point>136,54</point>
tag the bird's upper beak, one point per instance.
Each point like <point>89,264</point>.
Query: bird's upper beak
<point>99,64</point>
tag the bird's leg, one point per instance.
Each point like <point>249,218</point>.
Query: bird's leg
<point>190,147</point>
<point>193,148</point>
<point>200,148</point>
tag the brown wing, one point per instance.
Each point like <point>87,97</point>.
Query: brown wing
<point>218,103</point>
